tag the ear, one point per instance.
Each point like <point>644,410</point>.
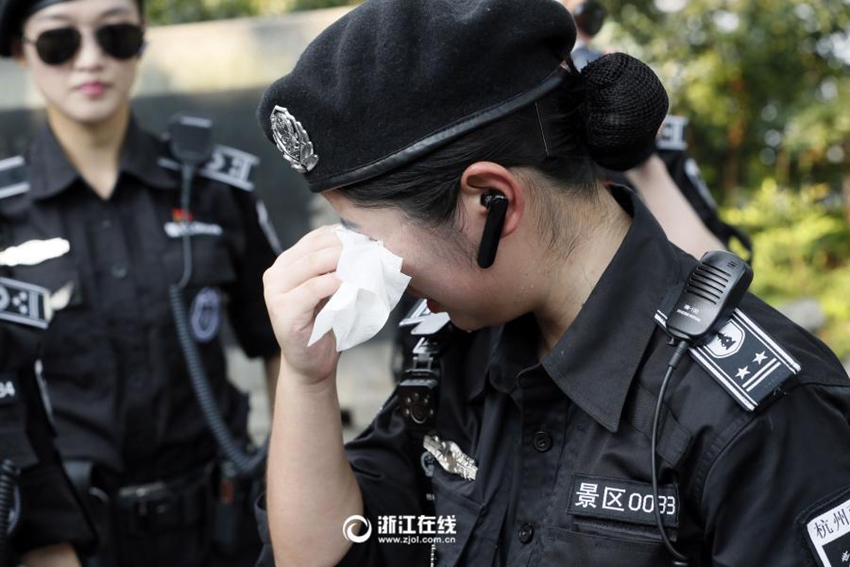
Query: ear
<point>482,177</point>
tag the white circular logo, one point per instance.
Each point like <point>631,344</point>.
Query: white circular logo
<point>351,523</point>
<point>206,314</point>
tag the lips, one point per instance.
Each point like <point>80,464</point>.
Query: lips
<point>93,88</point>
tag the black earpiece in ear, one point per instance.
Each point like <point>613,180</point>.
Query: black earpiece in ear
<point>497,208</point>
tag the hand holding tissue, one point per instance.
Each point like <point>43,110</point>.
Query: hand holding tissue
<point>372,285</point>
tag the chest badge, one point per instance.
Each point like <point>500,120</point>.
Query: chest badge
<point>183,222</point>
<point>34,252</point>
<point>450,457</point>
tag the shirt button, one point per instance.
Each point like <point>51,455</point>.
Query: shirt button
<point>526,533</point>
<point>542,441</point>
<point>106,224</point>
<point>118,271</point>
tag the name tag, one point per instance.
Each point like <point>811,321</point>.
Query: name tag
<point>622,500</point>
<point>194,228</point>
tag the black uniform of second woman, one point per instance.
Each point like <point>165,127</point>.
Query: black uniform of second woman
<point>121,396</point>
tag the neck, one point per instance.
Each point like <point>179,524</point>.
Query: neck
<point>572,279</point>
<point>93,149</point>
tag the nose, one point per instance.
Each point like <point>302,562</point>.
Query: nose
<point>91,55</point>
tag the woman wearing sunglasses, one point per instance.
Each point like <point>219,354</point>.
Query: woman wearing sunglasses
<point>94,208</point>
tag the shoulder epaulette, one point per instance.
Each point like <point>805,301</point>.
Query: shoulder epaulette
<point>14,178</point>
<point>671,135</point>
<point>24,303</point>
<point>227,165</point>
<point>747,362</point>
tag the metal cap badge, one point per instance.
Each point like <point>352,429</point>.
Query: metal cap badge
<point>292,140</point>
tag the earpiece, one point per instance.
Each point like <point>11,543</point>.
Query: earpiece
<point>497,208</point>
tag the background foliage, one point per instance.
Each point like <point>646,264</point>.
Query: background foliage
<point>766,88</point>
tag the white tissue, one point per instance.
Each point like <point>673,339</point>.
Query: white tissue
<point>372,284</point>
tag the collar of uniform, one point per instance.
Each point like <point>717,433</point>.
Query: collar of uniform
<point>595,361</point>
<point>139,158</point>
<point>513,349</point>
<point>50,171</point>
<point>55,173</point>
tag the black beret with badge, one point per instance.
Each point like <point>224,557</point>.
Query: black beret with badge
<point>394,80</point>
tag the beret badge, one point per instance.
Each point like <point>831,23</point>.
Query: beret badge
<point>292,140</point>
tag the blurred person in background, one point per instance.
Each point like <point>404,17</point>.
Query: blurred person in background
<point>48,520</point>
<point>669,181</point>
<point>95,205</point>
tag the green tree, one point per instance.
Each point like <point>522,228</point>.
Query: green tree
<point>164,12</point>
<point>763,82</point>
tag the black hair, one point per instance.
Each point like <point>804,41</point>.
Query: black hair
<point>606,115</point>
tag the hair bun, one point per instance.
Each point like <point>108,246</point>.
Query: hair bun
<point>625,104</point>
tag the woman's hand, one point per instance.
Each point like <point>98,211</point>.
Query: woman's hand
<point>59,555</point>
<point>296,287</point>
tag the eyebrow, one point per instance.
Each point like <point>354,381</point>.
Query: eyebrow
<point>116,11</point>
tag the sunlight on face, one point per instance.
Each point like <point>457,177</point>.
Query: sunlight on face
<point>92,86</point>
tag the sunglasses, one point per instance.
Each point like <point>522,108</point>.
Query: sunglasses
<point>60,45</point>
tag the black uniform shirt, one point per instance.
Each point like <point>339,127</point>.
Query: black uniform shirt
<point>562,447</point>
<point>51,512</point>
<point>114,368</point>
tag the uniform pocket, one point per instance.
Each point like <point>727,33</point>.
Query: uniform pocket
<point>603,548</point>
<point>453,504</point>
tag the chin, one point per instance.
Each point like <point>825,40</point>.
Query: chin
<point>93,114</point>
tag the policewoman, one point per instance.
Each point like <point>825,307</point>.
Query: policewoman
<point>42,519</point>
<point>455,132</point>
<point>95,207</point>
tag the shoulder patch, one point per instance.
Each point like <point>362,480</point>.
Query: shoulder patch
<point>24,304</point>
<point>228,165</point>
<point>826,528</point>
<point>14,177</point>
<point>743,359</point>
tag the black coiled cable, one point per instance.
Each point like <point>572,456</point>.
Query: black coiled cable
<point>679,559</point>
<point>246,465</point>
<point>8,494</point>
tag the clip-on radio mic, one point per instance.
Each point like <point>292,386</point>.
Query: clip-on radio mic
<point>191,144</point>
<point>710,295</point>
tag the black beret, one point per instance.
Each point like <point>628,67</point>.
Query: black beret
<point>13,13</point>
<point>393,80</point>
